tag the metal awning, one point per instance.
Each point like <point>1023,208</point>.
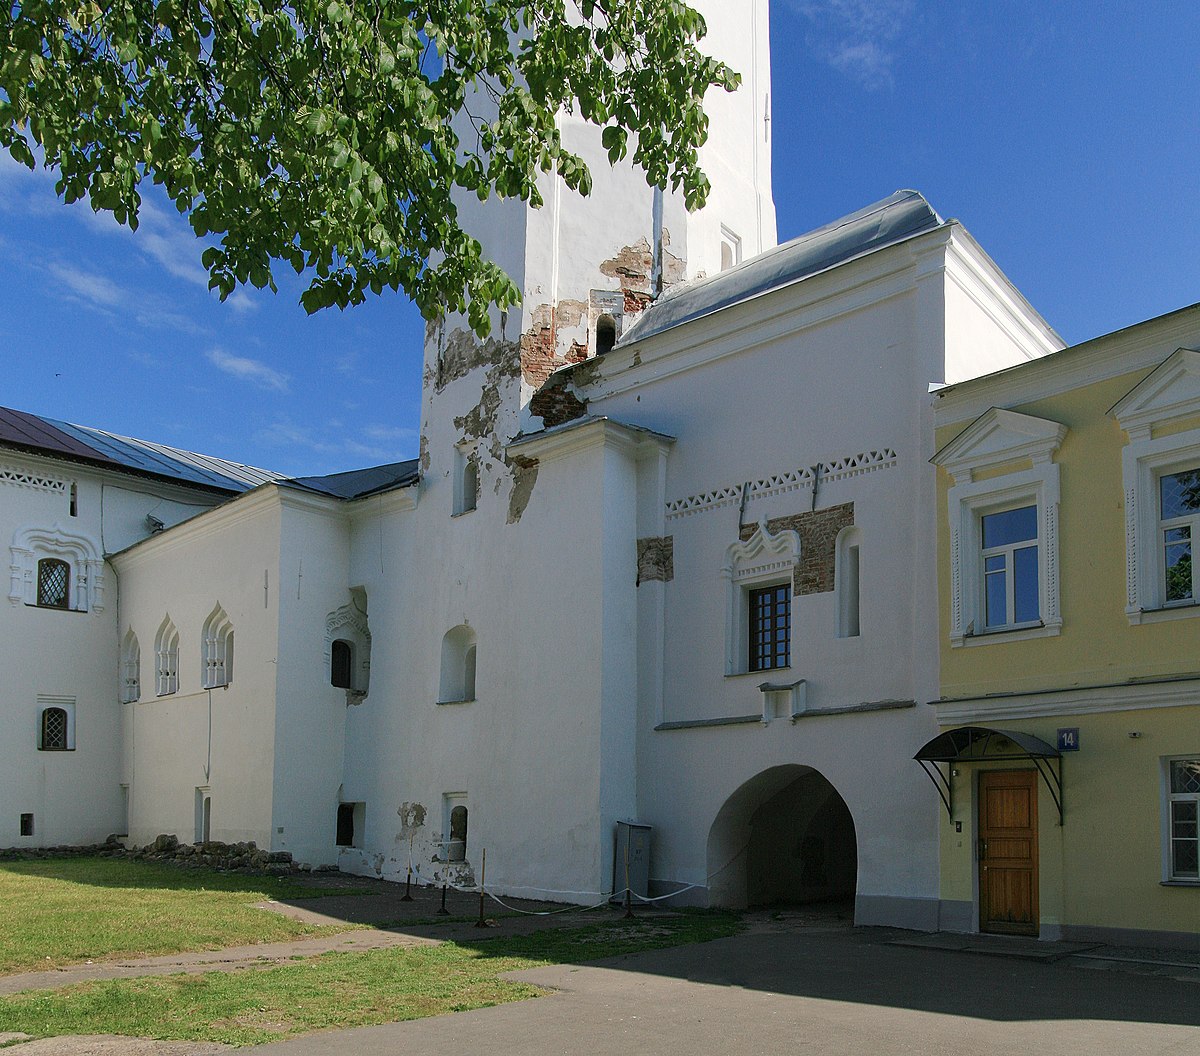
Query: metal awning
<point>975,744</point>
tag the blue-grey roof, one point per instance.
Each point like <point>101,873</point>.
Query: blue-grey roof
<point>894,219</point>
<point>358,483</point>
<point>81,443</point>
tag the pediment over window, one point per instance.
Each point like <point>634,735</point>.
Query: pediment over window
<point>999,436</point>
<point>1169,393</point>
<point>763,553</point>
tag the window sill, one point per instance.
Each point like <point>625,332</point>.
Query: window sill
<point>766,672</point>
<point>50,608</point>
<point>446,703</point>
<point>56,750</point>
<point>463,513</point>
<point>1171,612</point>
<point>1179,883</point>
<point>1008,634</point>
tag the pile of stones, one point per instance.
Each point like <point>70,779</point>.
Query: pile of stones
<point>213,854</point>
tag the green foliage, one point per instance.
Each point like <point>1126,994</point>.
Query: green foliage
<point>329,135</point>
<point>339,989</point>
<point>91,908</point>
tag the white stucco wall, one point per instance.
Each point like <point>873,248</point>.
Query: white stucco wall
<point>221,739</point>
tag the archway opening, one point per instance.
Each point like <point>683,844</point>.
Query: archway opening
<point>784,838</point>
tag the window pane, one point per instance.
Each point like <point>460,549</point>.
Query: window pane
<point>53,577</point>
<point>1011,526</point>
<point>770,627</point>
<point>1185,849</point>
<point>995,587</point>
<point>1025,585</point>
<point>1185,776</point>
<point>1179,493</point>
<point>1177,560</point>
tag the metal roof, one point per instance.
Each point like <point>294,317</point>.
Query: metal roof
<point>885,223</point>
<point>36,433</point>
<point>358,483</point>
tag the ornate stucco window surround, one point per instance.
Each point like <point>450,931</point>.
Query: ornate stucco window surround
<point>84,590</point>
<point>1003,464</point>
<point>763,560</point>
<point>1161,416</point>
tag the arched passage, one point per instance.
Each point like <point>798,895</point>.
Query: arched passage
<point>784,836</point>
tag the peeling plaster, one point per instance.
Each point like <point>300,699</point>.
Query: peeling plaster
<point>412,817</point>
<point>524,474</point>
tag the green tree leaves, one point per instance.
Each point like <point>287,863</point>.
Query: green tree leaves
<point>330,135</point>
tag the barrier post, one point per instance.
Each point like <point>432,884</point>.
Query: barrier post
<point>443,912</point>
<point>408,879</point>
<point>481,923</point>
<point>628,889</point>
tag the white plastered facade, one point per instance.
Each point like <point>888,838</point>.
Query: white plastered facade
<point>600,695</point>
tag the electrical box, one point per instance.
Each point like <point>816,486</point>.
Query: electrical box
<point>632,849</point>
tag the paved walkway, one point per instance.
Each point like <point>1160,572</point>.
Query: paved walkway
<point>833,992</point>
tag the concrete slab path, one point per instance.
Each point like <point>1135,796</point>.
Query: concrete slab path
<point>833,992</point>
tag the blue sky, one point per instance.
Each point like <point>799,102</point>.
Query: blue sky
<point>1065,136</point>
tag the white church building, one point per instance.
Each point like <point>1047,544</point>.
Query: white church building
<point>667,557</point>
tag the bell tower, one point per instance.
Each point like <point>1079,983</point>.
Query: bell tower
<point>586,267</point>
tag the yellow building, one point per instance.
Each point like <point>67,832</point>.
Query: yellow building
<point>1069,757</point>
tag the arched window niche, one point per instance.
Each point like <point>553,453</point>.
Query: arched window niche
<point>348,648</point>
<point>847,571</point>
<point>458,666</point>
<point>131,668</point>
<point>606,334</point>
<point>217,657</point>
<point>166,658</point>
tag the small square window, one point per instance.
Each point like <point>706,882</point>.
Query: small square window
<point>770,627</point>
<point>53,583</point>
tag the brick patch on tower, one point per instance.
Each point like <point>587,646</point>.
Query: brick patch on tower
<point>818,533</point>
<point>656,559</point>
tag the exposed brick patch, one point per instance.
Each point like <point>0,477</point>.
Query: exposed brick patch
<point>818,533</point>
<point>539,344</point>
<point>656,559</point>
<point>556,404</point>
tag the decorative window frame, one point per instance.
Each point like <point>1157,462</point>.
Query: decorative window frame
<point>976,459</point>
<point>34,543</point>
<point>760,561</point>
<point>166,659</point>
<point>349,623</point>
<point>216,650</point>
<point>131,668</point>
<point>1156,414</point>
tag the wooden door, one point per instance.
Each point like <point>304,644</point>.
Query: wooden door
<point>1008,852</point>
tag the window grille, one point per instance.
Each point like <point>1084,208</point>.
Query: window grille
<point>53,583</point>
<point>54,730</point>
<point>770,627</point>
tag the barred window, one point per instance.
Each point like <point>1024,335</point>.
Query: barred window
<point>770,627</point>
<point>1183,795</point>
<point>54,730</point>
<point>53,583</point>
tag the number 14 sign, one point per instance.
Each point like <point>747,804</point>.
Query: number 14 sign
<point>1068,739</point>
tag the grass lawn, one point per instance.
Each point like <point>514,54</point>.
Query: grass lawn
<point>80,909</point>
<point>339,989</point>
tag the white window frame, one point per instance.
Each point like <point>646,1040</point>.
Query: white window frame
<point>976,459</point>
<point>1169,798</point>
<point>1008,551</point>
<point>763,560</point>
<point>1168,398</point>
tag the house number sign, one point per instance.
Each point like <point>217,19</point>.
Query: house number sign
<point>1068,739</point>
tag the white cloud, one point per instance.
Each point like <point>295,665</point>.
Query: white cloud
<point>95,289</point>
<point>248,370</point>
<point>857,37</point>
<point>385,447</point>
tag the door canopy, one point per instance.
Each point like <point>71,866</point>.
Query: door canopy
<point>976,744</point>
